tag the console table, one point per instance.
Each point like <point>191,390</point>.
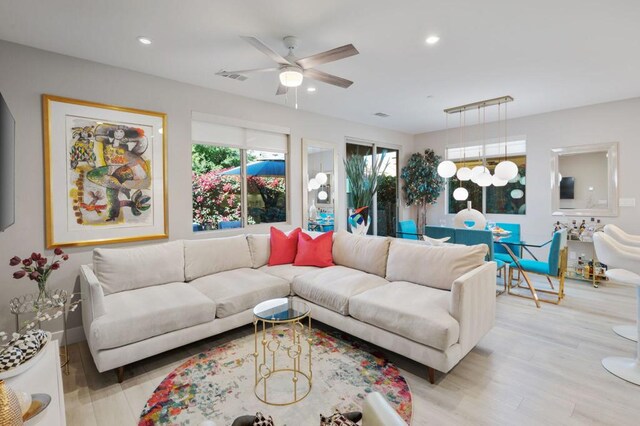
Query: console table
<point>44,377</point>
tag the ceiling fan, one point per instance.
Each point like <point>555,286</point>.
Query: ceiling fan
<point>292,69</point>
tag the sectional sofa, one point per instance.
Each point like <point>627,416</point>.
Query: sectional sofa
<point>430,304</point>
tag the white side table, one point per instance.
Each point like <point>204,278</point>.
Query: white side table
<point>44,377</point>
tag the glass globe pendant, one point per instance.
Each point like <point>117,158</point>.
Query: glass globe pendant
<point>484,179</point>
<point>447,169</point>
<point>463,173</point>
<point>460,194</point>
<point>506,170</point>
<point>496,181</point>
<point>321,178</point>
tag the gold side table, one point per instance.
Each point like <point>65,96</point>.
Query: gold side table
<point>56,299</point>
<point>286,338</point>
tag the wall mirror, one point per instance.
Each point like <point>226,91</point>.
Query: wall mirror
<point>584,180</point>
<point>319,166</point>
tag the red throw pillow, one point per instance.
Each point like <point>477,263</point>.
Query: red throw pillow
<point>283,246</point>
<point>314,251</point>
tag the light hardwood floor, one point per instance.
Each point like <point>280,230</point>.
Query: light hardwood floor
<point>537,366</point>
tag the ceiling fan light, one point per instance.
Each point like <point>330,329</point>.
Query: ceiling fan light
<point>506,170</point>
<point>321,178</point>
<point>447,169</point>
<point>463,173</point>
<point>460,194</point>
<point>291,77</point>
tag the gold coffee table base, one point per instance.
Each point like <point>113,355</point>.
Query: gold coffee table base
<point>271,342</point>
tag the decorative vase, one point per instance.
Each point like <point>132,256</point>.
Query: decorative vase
<point>43,295</point>
<point>469,218</point>
<point>359,220</point>
<point>313,210</point>
<point>10,412</point>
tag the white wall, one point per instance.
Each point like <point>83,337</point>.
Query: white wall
<point>27,73</point>
<point>609,122</point>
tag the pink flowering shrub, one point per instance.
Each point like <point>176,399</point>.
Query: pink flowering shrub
<point>216,198</point>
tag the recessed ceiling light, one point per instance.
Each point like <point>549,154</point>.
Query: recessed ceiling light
<point>432,39</point>
<point>311,89</point>
<point>144,40</point>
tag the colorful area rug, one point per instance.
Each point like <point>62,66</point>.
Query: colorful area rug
<point>218,385</point>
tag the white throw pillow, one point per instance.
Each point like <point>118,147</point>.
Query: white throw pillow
<point>260,247</point>
<point>206,257</point>
<point>124,269</point>
<point>365,253</point>
<point>436,267</point>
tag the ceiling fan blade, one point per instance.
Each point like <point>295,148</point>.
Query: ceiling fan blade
<point>266,50</point>
<point>226,73</point>
<point>282,90</point>
<point>328,56</point>
<point>328,78</point>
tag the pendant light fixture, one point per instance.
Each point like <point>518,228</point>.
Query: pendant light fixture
<point>484,178</point>
<point>460,194</point>
<point>447,168</point>
<point>463,173</point>
<point>505,170</point>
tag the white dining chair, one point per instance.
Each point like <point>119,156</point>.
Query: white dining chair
<point>626,258</point>
<point>627,331</point>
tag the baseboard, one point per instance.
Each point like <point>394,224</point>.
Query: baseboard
<point>74,335</point>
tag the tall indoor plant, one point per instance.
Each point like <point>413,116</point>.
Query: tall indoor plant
<point>422,184</point>
<point>363,184</point>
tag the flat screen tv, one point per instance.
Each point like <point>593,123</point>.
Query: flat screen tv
<point>7,166</point>
<point>566,188</point>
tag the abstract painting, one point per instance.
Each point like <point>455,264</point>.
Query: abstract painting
<point>105,173</point>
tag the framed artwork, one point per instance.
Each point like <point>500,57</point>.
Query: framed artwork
<point>105,173</point>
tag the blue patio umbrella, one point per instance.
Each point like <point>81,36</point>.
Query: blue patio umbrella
<point>261,168</point>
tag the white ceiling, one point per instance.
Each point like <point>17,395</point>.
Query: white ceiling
<point>547,54</point>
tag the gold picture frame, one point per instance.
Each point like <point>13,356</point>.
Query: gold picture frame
<point>105,172</point>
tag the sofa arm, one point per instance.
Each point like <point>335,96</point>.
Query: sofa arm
<point>376,411</point>
<point>92,296</point>
<point>473,304</point>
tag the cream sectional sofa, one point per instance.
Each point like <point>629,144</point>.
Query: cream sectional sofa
<point>430,304</point>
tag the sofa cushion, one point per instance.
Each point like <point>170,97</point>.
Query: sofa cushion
<point>240,289</point>
<point>333,286</point>
<point>124,269</point>
<point>206,257</point>
<point>314,251</point>
<point>260,248</point>
<point>287,272</point>
<point>432,266</point>
<point>283,246</point>
<point>410,310</point>
<point>132,316</point>
<point>368,254</point>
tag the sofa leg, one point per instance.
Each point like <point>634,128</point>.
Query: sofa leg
<point>120,374</point>
<point>431,372</point>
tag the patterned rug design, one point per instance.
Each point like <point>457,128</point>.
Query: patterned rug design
<point>219,385</point>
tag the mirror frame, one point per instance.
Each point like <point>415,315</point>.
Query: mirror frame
<point>306,143</point>
<point>612,200</point>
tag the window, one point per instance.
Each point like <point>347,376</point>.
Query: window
<point>238,176</point>
<point>508,199</point>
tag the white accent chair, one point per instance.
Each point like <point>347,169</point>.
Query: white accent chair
<point>627,331</point>
<point>626,258</point>
<point>377,412</point>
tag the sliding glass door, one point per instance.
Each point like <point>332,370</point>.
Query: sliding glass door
<point>384,211</point>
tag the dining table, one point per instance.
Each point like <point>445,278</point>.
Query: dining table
<point>526,243</point>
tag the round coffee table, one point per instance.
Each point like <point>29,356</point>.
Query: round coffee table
<point>283,344</point>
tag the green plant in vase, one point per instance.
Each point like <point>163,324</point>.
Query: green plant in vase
<point>363,184</point>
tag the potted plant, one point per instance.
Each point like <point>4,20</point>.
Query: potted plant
<point>363,184</point>
<point>422,184</point>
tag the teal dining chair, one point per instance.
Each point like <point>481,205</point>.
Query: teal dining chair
<point>408,230</point>
<point>439,232</point>
<point>554,267</point>
<point>500,252</point>
<point>471,237</point>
